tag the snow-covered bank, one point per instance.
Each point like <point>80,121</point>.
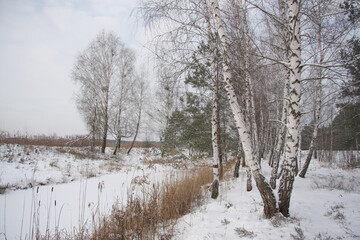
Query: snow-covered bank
<point>61,190</point>
<point>317,211</point>
<point>22,167</point>
<point>71,206</point>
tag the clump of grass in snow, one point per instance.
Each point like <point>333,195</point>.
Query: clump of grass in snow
<point>323,236</point>
<point>242,232</point>
<point>279,220</point>
<point>336,212</point>
<point>336,182</point>
<point>299,234</point>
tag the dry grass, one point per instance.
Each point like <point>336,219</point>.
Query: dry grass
<point>72,141</point>
<point>243,233</point>
<point>340,182</point>
<point>155,214</point>
<point>44,140</point>
<point>145,144</point>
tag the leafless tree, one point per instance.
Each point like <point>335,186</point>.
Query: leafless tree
<point>97,70</point>
<point>325,33</point>
<point>140,96</point>
<point>123,93</point>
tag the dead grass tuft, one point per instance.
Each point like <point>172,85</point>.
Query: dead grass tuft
<point>299,234</point>
<point>242,232</point>
<point>3,188</point>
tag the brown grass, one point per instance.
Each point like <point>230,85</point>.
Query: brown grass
<point>44,140</point>
<point>155,214</point>
<point>57,141</point>
<point>145,144</point>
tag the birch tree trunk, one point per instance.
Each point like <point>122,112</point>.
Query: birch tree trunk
<point>250,105</point>
<point>215,146</point>
<point>118,133</point>
<point>318,100</point>
<point>94,128</point>
<point>292,142</point>
<point>281,138</point>
<point>280,142</point>
<point>137,128</point>
<point>249,88</point>
<point>106,122</point>
<point>239,115</point>
<point>282,128</point>
<point>215,116</point>
<point>218,136</point>
<point>239,160</point>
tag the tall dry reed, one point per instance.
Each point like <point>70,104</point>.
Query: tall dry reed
<point>156,213</point>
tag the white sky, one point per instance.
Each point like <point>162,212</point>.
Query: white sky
<point>39,41</point>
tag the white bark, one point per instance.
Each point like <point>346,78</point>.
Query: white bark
<point>239,115</point>
<point>214,132</point>
<point>215,107</point>
<point>284,110</point>
<point>318,96</point>
<point>249,88</point>
<point>238,112</point>
<point>292,143</point>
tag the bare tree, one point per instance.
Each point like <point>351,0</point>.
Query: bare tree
<point>123,94</point>
<point>88,109</point>
<point>325,34</point>
<point>96,69</point>
<point>139,99</point>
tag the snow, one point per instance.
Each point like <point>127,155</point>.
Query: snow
<point>26,166</point>
<point>324,213</point>
<point>324,205</point>
<point>70,205</point>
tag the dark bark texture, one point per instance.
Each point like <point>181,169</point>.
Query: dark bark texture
<point>285,189</point>
<point>267,195</point>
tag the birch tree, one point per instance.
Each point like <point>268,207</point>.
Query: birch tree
<point>239,115</point>
<point>123,93</point>
<point>97,70</point>
<point>215,119</point>
<point>88,108</point>
<point>284,38</point>
<point>139,99</point>
<point>319,56</point>
<point>327,33</point>
<point>243,33</point>
<point>293,121</point>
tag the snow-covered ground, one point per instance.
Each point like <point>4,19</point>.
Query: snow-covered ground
<point>324,205</point>
<point>48,189</point>
<point>67,189</point>
<point>22,167</point>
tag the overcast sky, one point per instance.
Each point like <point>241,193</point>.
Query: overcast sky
<point>39,41</point>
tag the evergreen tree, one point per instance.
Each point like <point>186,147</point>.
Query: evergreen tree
<point>172,133</point>
<point>347,124</point>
